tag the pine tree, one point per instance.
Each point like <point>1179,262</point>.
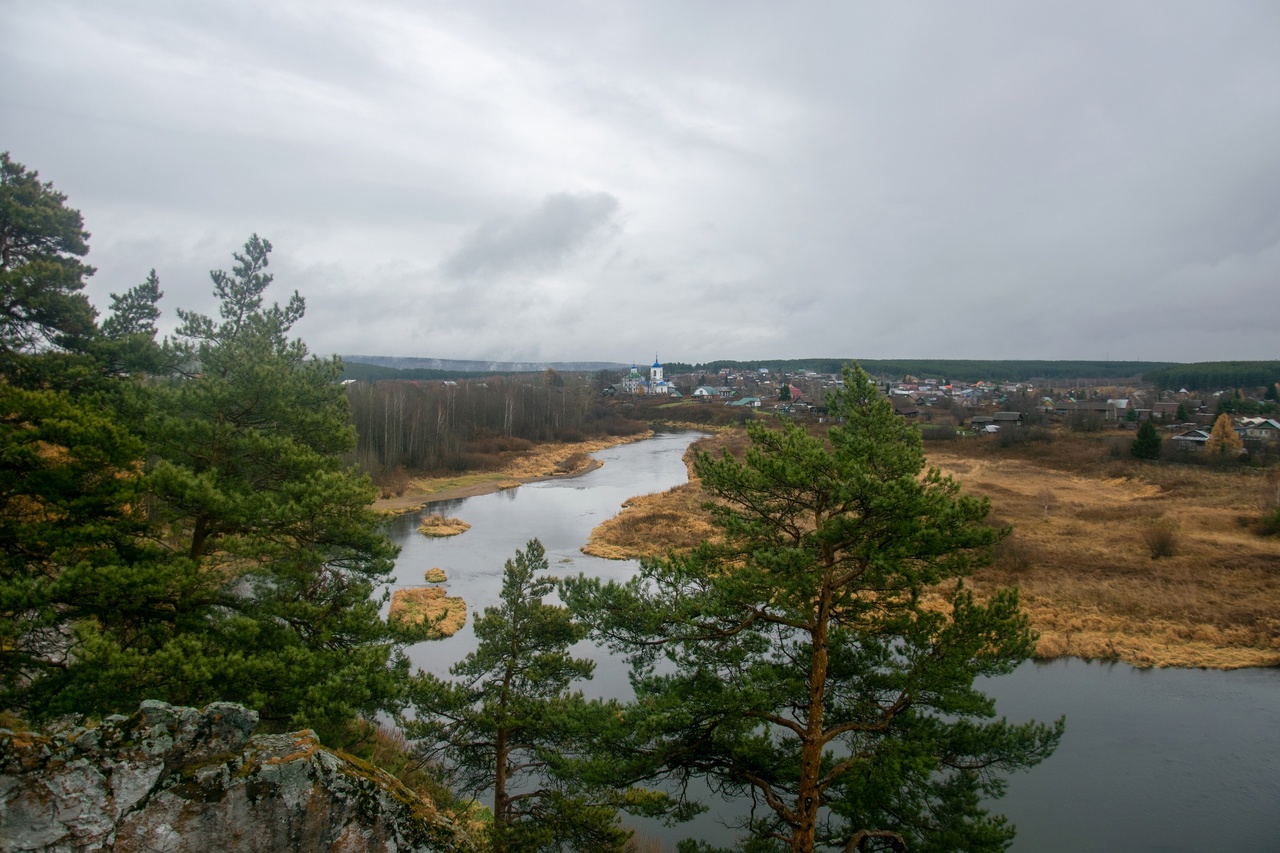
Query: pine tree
<point>127,344</point>
<point>74,548</point>
<point>42,306</point>
<point>822,660</point>
<point>190,536</point>
<point>245,564</point>
<point>1146,445</point>
<point>510,724</point>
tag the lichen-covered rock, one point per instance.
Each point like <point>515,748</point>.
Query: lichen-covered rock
<point>176,779</point>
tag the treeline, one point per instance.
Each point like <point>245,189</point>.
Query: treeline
<point>1216,375</point>
<point>374,372</point>
<point>1010,371</point>
<point>437,426</point>
<point>1165,374</point>
<point>960,370</point>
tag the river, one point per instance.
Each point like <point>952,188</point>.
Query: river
<point>1153,760</point>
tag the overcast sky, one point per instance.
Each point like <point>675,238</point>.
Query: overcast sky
<point>610,180</point>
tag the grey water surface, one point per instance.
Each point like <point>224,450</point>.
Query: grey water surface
<point>1153,760</point>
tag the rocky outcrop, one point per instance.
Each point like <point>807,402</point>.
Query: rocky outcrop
<point>179,779</point>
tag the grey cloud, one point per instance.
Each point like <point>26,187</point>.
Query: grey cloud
<point>536,241</point>
<point>871,180</point>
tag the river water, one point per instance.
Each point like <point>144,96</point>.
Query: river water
<point>1153,760</point>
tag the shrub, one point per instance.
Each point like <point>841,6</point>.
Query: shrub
<point>1161,541</point>
<point>393,482</point>
<point>1271,524</point>
<point>1014,555</point>
<point>495,444</point>
<point>1022,436</point>
<point>1086,423</point>
<point>573,463</point>
<point>1118,448</point>
<point>472,462</point>
<point>1270,503</point>
<point>938,433</point>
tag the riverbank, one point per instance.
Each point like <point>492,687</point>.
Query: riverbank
<point>1151,565</point>
<point>547,461</point>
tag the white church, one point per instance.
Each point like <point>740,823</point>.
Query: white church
<point>634,383</point>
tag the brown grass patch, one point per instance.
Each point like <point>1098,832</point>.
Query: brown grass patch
<point>429,606</point>
<point>652,525</point>
<point>436,575</point>
<point>512,463</point>
<point>558,459</point>
<point>1147,564</point>
<point>674,520</point>
<point>439,525</point>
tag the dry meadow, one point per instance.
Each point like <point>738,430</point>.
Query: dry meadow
<point>1154,564</point>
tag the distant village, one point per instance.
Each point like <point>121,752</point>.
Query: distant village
<point>984,408</point>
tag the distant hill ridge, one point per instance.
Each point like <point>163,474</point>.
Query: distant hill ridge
<point>453,365</point>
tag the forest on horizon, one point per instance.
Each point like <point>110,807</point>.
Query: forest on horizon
<point>1209,375</point>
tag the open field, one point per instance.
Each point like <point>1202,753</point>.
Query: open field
<point>1151,564</point>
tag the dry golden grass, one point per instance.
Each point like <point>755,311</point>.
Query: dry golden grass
<point>1154,565</point>
<point>557,460</point>
<point>439,525</point>
<point>540,461</point>
<point>429,605</point>
<point>1151,564</point>
<point>652,525</point>
<point>436,575</point>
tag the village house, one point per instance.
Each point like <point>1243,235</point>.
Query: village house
<point>707,393</point>
<point>905,405</point>
<point>1191,440</point>
<point>1259,430</point>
